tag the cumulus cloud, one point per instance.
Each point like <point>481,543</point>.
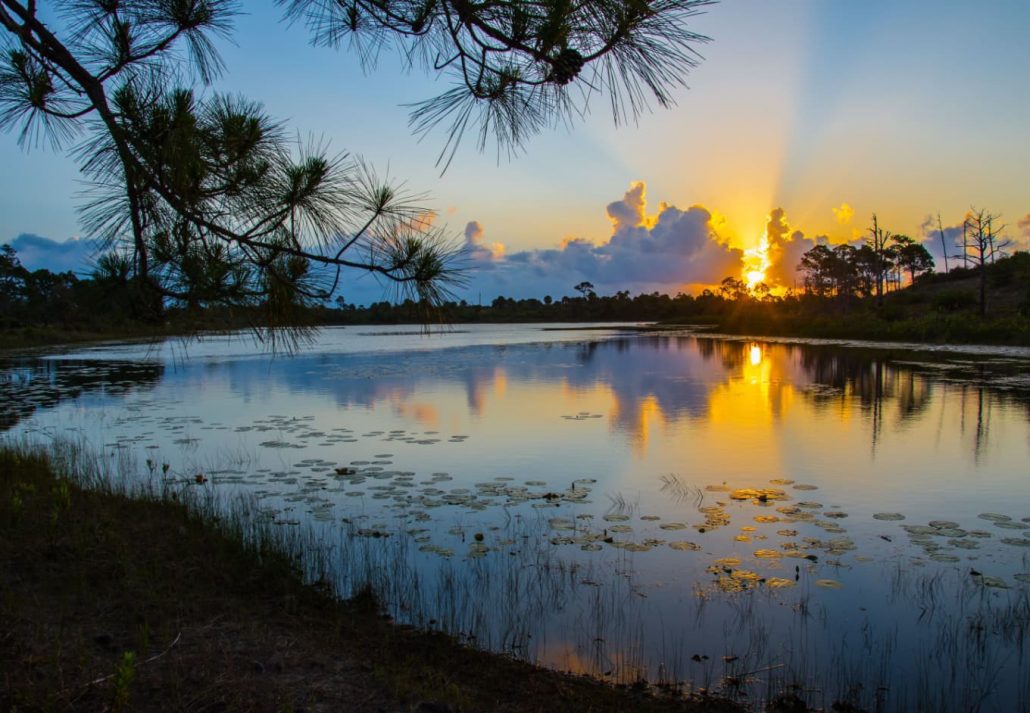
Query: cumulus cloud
<point>478,251</point>
<point>38,253</point>
<point>785,248</point>
<point>666,252</point>
<point>631,211</point>
<point>844,214</point>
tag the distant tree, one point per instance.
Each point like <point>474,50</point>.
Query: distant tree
<point>548,300</point>
<point>732,288</point>
<point>982,242</point>
<point>879,243</point>
<point>909,255</point>
<point>817,266</point>
<point>13,278</point>
<point>845,269</point>
<point>944,243</point>
<point>586,289</point>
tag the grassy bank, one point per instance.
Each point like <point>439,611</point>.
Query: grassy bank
<point>152,602</point>
<point>928,329</point>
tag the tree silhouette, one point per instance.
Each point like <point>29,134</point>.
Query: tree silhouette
<point>212,203</point>
<point>909,255</point>
<point>586,289</point>
<point>879,242</point>
<point>518,67</point>
<point>982,242</point>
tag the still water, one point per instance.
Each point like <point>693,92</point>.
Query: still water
<point>848,522</point>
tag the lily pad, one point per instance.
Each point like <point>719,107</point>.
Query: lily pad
<point>1016,541</point>
<point>758,494</point>
<point>828,584</point>
<point>919,529</point>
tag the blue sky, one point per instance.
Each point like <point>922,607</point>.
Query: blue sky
<point>904,108</point>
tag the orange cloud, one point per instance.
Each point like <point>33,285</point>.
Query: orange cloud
<point>844,214</point>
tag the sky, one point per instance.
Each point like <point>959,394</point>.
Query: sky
<point>805,118</point>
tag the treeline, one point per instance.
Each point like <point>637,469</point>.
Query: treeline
<point>880,262</point>
<point>840,299</point>
<point>40,297</point>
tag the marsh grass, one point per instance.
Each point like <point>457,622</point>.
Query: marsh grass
<point>127,587</point>
<point>141,578</point>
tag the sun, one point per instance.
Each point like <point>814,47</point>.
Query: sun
<point>756,262</point>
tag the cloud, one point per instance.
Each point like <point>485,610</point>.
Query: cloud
<point>631,211</point>
<point>844,214</point>
<point>38,253</point>
<point>666,252</point>
<point>785,248</point>
<point>952,243</point>
<point>1024,226</point>
<point>478,251</point>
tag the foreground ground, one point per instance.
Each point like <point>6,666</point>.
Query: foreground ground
<point>115,604</point>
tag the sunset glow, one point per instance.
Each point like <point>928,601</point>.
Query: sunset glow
<point>755,263</point>
<point>790,132</point>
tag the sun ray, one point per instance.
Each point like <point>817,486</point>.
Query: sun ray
<point>755,263</point>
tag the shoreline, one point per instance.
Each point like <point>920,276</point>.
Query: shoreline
<point>54,341</point>
<point>144,603</point>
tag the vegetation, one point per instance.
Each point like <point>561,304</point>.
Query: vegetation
<point>44,308</point>
<point>206,203</point>
<point>155,602</point>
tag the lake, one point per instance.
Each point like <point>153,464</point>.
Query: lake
<point>848,522</point>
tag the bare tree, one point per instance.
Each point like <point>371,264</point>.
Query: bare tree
<point>944,243</point>
<point>982,242</point>
<point>879,243</point>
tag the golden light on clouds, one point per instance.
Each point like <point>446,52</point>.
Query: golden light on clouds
<point>844,214</point>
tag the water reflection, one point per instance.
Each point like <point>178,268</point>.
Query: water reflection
<point>640,385</point>
<point>27,385</point>
<point>599,504</point>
